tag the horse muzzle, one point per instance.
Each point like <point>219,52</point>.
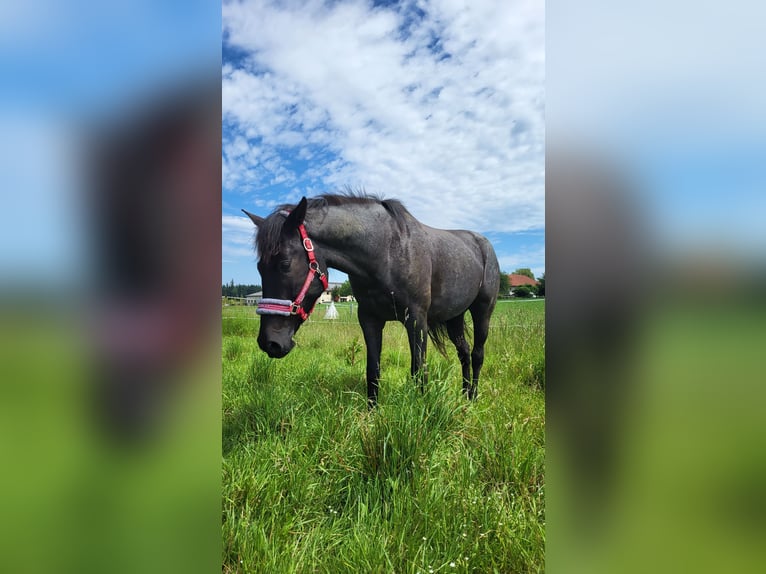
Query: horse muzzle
<point>276,348</point>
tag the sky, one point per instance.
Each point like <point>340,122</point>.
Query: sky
<point>440,104</point>
<point>672,95</point>
<point>66,69</point>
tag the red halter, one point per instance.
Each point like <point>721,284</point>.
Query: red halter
<point>286,307</point>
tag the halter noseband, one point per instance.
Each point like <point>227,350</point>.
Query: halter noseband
<point>286,307</point>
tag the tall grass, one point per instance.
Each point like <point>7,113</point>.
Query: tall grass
<point>314,482</point>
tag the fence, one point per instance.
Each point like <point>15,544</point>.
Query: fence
<point>346,312</point>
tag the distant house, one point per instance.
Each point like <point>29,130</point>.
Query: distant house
<point>516,280</point>
<point>253,298</point>
<point>326,296</point>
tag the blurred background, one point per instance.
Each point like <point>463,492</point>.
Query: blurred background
<point>109,285</point>
<point>656,252</point>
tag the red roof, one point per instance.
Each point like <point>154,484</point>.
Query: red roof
<point>515,280</point>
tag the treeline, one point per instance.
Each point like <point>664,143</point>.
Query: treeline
<point>231,290</point>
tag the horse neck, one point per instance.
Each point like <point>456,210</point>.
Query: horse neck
<point>347,238</point>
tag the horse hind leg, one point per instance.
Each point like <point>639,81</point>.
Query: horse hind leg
<point>456,332</point>
<point>480,315</point>
<point>417,333</point>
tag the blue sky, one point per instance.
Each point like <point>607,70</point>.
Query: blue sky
<point>437,104</point>
<point>69,68</point>
<point>672,96</point>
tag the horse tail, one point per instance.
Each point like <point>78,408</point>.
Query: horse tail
<point>438,334</point>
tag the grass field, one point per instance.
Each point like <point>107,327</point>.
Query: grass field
<point>313,482</point>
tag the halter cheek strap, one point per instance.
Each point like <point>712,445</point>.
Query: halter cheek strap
<point>285,307</point>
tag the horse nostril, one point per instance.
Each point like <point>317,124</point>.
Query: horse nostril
<point>273,348</point>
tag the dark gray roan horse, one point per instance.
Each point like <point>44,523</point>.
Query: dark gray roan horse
<point>399,269</point>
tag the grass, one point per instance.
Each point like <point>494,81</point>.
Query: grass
<point>314,482</point>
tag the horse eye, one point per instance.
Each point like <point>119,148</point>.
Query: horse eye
<point>284,265</point>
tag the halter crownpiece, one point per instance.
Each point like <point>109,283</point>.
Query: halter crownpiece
<point>285,307</point>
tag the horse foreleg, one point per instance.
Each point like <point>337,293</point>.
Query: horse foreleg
<point>372,329</point>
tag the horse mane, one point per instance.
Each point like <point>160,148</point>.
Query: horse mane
<point>269,233</point>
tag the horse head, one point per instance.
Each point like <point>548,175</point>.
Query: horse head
<point>291,277</point>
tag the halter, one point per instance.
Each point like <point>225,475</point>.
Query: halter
<point>285,307</point>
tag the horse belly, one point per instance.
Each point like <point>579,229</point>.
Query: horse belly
<point>385,304</point>
<point>454,289</point>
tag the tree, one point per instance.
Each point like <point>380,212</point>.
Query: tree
<point>522,291</point>
<point>541,286</point>
<point>505,284</point>
<point>345,289</point>
<point>232,290</point>
<point>525,271</point>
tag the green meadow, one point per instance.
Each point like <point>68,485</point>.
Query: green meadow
<point>426,482</point>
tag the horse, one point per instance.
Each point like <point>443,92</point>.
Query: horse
<point>399,269</point>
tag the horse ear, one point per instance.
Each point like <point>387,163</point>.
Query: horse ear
<point>255,219</point>
<point>298,214</point>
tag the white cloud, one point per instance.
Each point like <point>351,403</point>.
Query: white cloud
<point>448,117</point>
<point>531,257</point>
<point>692,77</point>
<point>237,234</point>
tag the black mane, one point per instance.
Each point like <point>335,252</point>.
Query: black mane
<point>269,232</point>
